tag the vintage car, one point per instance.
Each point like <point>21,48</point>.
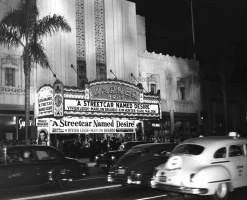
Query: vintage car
<point>33,165</point>
<point>109,158</point>
<point>213,166</point>
<point>136,166</point>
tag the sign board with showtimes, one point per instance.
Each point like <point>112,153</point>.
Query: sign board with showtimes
<point>73,106</point>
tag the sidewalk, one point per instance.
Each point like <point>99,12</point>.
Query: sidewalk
<point>86,160</point>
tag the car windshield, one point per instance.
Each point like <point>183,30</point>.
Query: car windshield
<point>192,149</point>
<point>137,150</point>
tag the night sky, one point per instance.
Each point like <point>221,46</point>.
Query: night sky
<point>220,28</point>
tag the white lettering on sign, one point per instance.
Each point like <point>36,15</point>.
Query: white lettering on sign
<point>104,106</point>
<point>45,101</point>
<point>75,125</point>
<point>22,123</point>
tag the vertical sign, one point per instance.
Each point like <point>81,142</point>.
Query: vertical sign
<point>45,100</point>
<point>58,98</point>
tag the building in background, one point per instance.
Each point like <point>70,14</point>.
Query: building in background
<point>107,41</point>
<point>213,107</point>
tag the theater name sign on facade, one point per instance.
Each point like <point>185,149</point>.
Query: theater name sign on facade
<point>121,104</point>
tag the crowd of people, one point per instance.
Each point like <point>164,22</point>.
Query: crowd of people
<point>89,147</point>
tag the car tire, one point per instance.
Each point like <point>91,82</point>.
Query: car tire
<point>64,185</point>
<point>221,192</point>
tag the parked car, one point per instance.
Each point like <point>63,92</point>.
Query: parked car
<point>136,166</point>
<point>33,165</point>
<point>211,166</point>
<point>109,158</point>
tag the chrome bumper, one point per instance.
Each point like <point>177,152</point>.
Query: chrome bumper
<point>179,189</point>
<point>123,180</point>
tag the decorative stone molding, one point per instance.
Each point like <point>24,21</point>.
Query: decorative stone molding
<point>167,58</point>
<point>9,60</point>
<point>74,96</point>
<point>99,31</point>
<point>12,90</point>
<point>178,102</point>
<point>80,34</point>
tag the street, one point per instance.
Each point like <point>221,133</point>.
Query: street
<point>96,187</point>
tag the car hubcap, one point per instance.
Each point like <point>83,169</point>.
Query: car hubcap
<point>221,190</point>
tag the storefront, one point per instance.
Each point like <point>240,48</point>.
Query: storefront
<point>111,107</point>
<point>12,125</point>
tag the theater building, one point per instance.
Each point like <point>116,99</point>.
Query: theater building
<point>107,41</point>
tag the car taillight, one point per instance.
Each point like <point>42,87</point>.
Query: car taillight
<point>155,172</point>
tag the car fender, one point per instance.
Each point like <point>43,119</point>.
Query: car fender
<point>210,177</point>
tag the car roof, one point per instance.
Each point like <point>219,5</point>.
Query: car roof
<point>30,147</point>
<point>138,142</point>
<point>150,145</point>
<point>214,141</point>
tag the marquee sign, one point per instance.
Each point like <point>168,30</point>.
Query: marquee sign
<point>109,98</point>
<point>58,98</point>
<point>115,91</point>
<point>76,125</point>
<point>123,108</point>
<point>45,101</point>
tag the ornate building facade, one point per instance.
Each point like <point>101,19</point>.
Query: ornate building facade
<point>107,40</point>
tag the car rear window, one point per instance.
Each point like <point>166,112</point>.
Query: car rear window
<point>191,149</point>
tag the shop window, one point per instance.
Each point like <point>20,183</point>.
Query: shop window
<point>9,77</point>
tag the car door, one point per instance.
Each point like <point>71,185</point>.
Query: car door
<point>46,160</point>
<point>158,154</point>
<point>22,169</point>
<point>237,165</point>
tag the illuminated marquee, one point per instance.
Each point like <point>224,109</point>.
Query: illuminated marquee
<point>76,106</point>
<point>72,125</point>
<point>45,101</point>
<point>114,90</point>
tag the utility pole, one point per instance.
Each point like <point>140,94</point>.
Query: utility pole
<point>193,31</point>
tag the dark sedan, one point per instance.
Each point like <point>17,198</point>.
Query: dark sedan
<point>136,165</point>
<point>109,158</point>
<point>33,165</point>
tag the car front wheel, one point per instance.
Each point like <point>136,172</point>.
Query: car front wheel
<point>65,184</point>
<point>221,192</point>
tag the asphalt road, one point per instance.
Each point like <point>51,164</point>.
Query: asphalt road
<point>95,187</point>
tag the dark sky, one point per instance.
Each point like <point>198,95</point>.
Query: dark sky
<point>220,28</point>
